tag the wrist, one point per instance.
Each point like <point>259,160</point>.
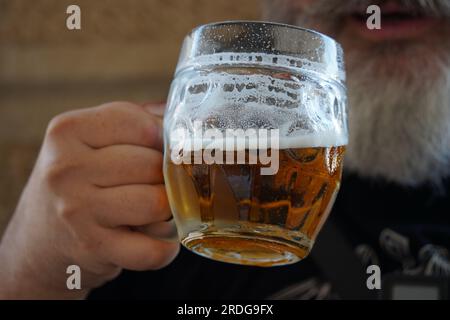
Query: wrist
<point>26,274</point>
<point>20,280</point>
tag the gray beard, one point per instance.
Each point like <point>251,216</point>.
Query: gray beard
<point>399,123</point>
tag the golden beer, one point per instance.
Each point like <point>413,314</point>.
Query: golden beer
<point>238,85</point>
<point>232,213</point>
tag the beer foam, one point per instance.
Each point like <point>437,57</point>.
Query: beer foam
<point>240,143</point>
<point>308,111</point>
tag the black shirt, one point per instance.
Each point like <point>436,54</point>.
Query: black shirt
<point>402,230</point>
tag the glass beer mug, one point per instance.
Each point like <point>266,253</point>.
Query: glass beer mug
<point>255,132</point>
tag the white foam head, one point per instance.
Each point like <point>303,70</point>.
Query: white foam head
<point>307,110</point>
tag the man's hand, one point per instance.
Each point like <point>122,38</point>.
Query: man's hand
<point>96,187</point>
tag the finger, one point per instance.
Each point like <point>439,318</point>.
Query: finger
<point>136,251</point>
<point>117,123</point>
<point>132,205</point>
<point>165,230</point>
<point>155,108</point>
<point>125,164</point>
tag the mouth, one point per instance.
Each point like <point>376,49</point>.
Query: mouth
<point>397,22</point>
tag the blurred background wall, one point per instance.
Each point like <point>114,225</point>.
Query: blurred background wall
<point>126,50</point>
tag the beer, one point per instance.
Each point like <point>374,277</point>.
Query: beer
<point>232,213</point>
<point>254,131</point>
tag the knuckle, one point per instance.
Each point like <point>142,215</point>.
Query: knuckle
<point>57,170</point>
<point>60,124</point>
<point>54,174</point>
<point>67,210</point>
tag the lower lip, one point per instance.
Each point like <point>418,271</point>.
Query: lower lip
<point>393,30</point>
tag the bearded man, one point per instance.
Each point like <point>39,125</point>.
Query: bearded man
<point>391,212</point>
